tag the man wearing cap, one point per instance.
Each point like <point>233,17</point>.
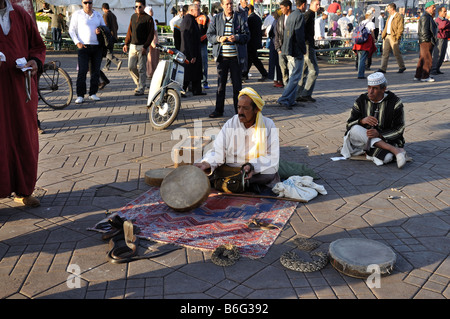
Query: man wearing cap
<point>376,125</point>
<point>343,25</point>
<point>391,36</point>
<point>248,141</point>
<point>427,32</point>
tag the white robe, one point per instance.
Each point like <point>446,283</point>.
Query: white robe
<point>234,143</point>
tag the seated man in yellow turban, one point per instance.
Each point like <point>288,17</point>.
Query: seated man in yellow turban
<point>248,141</point>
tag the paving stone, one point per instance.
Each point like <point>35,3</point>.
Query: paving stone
<point>93,158</point>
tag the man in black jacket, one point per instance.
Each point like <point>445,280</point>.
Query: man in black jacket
<point>190,46</point>
<point>427,32</point>
<point>111,23</point>
<point>310,66</point>
<point>286,9</point>
<point>254,26</point>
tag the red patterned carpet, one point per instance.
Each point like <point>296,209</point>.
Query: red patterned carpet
<point>219,220</point>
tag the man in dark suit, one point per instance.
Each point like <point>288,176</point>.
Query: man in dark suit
<point>111,23</point>
<point>190,46</point>
<point>254,25</point>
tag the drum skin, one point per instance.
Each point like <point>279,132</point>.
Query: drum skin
<point>353,256</point>
<point>154,177</point>
<point>186,188</point>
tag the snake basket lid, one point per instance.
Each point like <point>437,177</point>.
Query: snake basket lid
<point>186,188</point>
<point>154,177</point>
<point>356,257</point>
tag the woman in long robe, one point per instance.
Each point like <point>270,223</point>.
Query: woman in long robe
<point>19,144</point>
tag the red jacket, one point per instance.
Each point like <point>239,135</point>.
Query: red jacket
<point>443,28</point>
<point>366,46</point>
<point>332,8</point>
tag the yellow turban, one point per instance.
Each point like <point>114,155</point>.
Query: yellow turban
<point>260,129</point>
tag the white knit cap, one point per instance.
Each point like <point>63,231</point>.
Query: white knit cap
<point>376,78</point>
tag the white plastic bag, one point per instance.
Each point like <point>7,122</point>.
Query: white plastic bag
<point>299,187</point>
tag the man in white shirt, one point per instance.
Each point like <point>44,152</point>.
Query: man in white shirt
<point>319,26</point>
<point>351,16</point>
<point>83,29</point>
<point>248,141</point>
<point>343,25</point>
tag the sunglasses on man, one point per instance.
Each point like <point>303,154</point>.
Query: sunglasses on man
<point>87,2</point>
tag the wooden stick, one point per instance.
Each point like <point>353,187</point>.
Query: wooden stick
<point>262,196</point>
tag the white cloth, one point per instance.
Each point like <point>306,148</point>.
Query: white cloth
<point>234,143</point>
<point>369,24</point>
<point>299,187</point>
<point>267,25</point>
<point>5,22</point>
<point>447,54</point>
<point>343,25</point>
<point>351,18</point>
<point>175,22</point>
<point>319,28</point>
<point>82,27</point>
<point>355,141</point>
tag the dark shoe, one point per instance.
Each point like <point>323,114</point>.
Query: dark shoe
<point>262,79</point>
<point>439,72</point>
<point>215,114</point>
<point>380,70</point>
<point>119,65</point>
<point>102,85</point>
<point>139,93</point>
<point>361,77</point>
<point>307,99</point>
<point>401,70</point>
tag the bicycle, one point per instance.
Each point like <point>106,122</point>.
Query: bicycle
<point>55,86</point>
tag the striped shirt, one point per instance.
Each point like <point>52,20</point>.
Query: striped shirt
<point>229,48</point>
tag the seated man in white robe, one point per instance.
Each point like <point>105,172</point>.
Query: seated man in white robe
<point>248,142</point>
<point>376,125</point>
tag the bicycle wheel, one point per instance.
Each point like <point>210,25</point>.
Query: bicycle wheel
<point>162,116</point>
<point>55,87</point>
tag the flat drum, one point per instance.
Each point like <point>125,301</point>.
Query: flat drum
<point>360,257</point>
<point>154,177</point>
<point>186,188</point>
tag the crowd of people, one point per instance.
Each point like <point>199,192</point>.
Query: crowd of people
<point>237,52</point>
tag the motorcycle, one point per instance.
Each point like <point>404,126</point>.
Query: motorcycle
<point>164,96</point>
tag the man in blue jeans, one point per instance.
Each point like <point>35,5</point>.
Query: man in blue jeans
<point>294,48</point>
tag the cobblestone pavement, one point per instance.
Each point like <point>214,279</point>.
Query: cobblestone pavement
<point>93,159</point>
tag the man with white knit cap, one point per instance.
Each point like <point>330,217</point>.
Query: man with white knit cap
<point>376,125</point>
<point>248,141</point>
